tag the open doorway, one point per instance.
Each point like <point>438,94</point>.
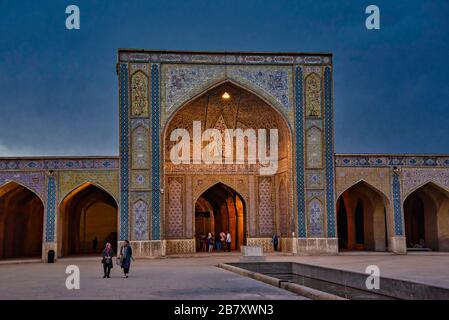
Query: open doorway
<point>220,209</point>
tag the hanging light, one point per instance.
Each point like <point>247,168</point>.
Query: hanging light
<point>226,95</point>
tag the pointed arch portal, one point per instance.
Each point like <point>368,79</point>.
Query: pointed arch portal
<point>87,213</point>
<point>250,119</point>
<point>220,209</point>
<point>426,218</point>
<point>362,222</point>
<point>21,222</point>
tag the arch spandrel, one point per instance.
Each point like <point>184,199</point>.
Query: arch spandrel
<point>34,181</point>
<point>105,179</point>
<point>10,184</point>
<point>183,83</point>
<point>378,178</point>
<point>415,178</point>
<point>371,187</point>
<point>437,185</point>
<point>202,184</point>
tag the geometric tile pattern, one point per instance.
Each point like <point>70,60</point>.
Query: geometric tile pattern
<point>329,153</point>
<point>397,204</point>
<point>265,208</point>
<point>315,218</point>
<point>72,179</point>
<point>59,164</point>
<point>51,209</point>
<point>391,160</point>
<point>124,151</point>
<point>140,214</point>
<point>284,214</point>
<point>299,137</point>
<point>175,212</point>
<point>314,180</point>
<point>35,181</point>
<point>314,148</point>
<point>417,177</point>
<point>183,82</point>
<point>140,148</point>
<point>377,178</point>
<point>155,153</point>
<point>224,58</point>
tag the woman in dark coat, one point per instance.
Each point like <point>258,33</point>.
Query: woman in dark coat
<point>126,254</point>
<point>107,255</point>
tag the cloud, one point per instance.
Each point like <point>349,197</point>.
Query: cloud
<point>16,151</point>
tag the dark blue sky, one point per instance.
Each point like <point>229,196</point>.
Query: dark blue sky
<point>58,88</point>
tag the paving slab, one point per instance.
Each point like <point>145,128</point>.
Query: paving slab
<point>197,277</point>
<point>180,279</point>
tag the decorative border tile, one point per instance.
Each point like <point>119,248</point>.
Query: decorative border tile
<point>397,204</point>
<point>51,209</point>
<point>184,82</point>
<point>72,179</point>
<point>391,160</point>
<point>124,151</point>
<point>58,164</point>
<point>329,153</point>
<point>299,137</point>
<point>413,178</point>
<point>220,58</point>
<point>155,153</point>
<point>35,181</point>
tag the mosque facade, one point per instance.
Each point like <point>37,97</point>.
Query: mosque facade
<point>315,201</point>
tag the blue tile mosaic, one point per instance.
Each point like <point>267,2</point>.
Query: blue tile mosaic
<point>329,153</point>
<point>155,153</point>
<point>299,136</point>
<point>397,205</point>
<point>124,151</point>
<point>51,210</point>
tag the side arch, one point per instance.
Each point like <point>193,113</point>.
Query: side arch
<point>87,219</point>
<point>426,217</point>
<point>83,183</point>
<point>369,185</point>
<point>21,221</point>
<point>364,217</point>
<point>431,182</point>
<point>8,182</point>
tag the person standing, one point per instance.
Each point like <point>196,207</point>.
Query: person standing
<point>228,241</point>
<point>95,244</point>
<point>210,242</point>
<point>126,254</point>
<point>275,242</point>
<point>218,243</point>
<point>223,240</point>
<point>107,255</point>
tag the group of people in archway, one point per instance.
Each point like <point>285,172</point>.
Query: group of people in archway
<point>220,242</point>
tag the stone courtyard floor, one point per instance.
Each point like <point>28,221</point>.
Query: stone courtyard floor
<point>196,277</point>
